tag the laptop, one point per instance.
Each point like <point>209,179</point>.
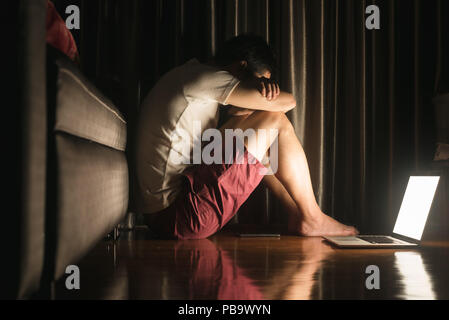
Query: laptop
<point>410,222</point>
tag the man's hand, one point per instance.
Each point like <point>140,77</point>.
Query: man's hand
<point>268,88</point>
<point>261,94</point>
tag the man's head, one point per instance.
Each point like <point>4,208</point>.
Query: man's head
<point>246,55</point>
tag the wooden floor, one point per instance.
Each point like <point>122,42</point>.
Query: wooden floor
<point>227,267</point>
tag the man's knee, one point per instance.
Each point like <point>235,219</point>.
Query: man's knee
<point>275,120</point>
<point>259,120</point>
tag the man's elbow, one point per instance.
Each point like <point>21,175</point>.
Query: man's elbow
<point>290,103</point>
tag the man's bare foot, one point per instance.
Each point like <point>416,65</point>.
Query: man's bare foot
<point>322,225</point>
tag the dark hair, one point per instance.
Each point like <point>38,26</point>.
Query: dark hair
<point>248,47</point>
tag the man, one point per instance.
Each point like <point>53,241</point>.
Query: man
<point>190,201</point>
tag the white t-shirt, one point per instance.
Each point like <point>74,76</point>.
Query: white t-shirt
<point>187,95</point>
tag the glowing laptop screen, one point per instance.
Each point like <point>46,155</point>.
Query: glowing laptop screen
<point>415,206</point>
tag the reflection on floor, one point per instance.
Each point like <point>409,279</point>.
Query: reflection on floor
<point>228,267</point>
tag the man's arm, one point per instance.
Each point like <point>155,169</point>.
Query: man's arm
<point>237,111</point>
<point>246,95</point>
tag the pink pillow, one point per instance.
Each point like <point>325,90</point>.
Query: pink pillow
<point>58,35</point>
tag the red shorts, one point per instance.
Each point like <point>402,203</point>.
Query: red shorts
<point>210,197</point>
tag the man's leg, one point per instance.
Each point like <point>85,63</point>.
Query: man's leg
<point>292,173</point>
<point>279,191</point>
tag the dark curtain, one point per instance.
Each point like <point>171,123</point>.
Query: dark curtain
<point>364,97</point>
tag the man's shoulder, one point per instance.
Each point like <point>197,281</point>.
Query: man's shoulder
<point>193,72</point>
<point>186,72</point>
<point>195,67</point>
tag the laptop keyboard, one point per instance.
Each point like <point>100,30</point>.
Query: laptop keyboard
<point>377,239</point>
